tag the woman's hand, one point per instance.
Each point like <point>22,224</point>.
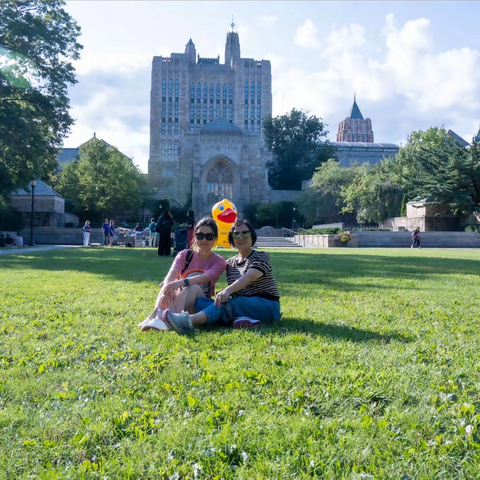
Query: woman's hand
<point>221,297</point>
<point>170,288</point>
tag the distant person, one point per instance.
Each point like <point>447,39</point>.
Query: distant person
<point>191,227</point>
<point>164,229</point>
<point>106,232</point>
<point>19,240</point>
<point>111,232</point>
<point>153,235</point>
<point>416,238</point>
<point>86,233</point>
<point>9,241</point>
<point>138,230</point>
<point>2,241</point>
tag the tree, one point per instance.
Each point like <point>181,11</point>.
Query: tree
<point>295,141</point>
<point>437,166</point>
<point>102,179</point>
<point>38,42</point>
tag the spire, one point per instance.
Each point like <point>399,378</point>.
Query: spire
<point>232,47</point>
<point>190,52</point>
<point>355,112</point>
<point>233,24</point>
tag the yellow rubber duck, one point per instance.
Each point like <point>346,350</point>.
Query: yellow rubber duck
<point>224,213</point>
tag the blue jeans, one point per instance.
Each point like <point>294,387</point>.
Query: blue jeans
<point>254,307</point>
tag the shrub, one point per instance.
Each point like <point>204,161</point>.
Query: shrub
<point>472,228</point>
<point>325,231</point>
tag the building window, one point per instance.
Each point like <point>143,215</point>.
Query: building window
<point>252,113</point>
<point>164,89</point>
<point>169,149</point>
<point>230,93</point>
<point>164,173</point>
<point>205,112</point>
<point>169,173</point>
<point>246,92</point>
<point>192,115</point>
<point>205,92</point>
<point>163,127</point>
<point>259,92</point>
<point>192,92</point>
<point>198,114</point>
<point>176,128</point>
<point>162,149</point>
<point>175,149</point>
<point>230,113</point>
<point>164,111</point>
<point>170,83</point>
<point>170,127</point>
<point>219,183</point>
<point>176,90</point>
<point>218,101</point>
<point>199,92</point>
<point>170,111</point>
<point>253,91</point>
<point>224,107</point>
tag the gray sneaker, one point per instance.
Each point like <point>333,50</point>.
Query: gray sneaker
<point>180,322</point>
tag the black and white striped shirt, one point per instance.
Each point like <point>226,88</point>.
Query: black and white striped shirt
<point>265,286</point>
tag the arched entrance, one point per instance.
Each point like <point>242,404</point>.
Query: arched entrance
<point>219,182</point>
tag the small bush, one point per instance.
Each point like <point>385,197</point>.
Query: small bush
<point>472,228</point>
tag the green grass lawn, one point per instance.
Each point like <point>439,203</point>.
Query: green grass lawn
<point>373,372</point>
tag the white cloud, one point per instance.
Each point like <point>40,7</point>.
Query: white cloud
<point>268,19</point>
<point>426,85</point>
<point>306,36</point>
<point>123,63</point>
<point>348,37</point>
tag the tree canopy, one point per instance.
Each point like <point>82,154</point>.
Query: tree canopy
<point>434,165</point>
<point>295,139</point>
<point>101,179</point>
<point>38,42</point>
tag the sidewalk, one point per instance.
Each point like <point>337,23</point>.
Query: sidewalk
<point>39,249</point>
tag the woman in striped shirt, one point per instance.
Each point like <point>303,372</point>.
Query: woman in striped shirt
<point>251,297</point>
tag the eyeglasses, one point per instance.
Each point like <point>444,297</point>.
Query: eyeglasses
<point>207,236</point>
<point>238,235</point>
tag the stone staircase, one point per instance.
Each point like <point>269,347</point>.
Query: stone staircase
<point>275,242</point>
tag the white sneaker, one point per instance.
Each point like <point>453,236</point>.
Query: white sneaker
<point>155,324</point>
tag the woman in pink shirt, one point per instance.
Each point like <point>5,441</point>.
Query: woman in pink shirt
<point>192,275</point>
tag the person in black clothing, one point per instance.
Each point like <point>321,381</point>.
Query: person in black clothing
<point>191,225</point>
<point>164,228</point>
<point>2,240</point>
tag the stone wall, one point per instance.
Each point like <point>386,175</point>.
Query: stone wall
<point>41,203</point>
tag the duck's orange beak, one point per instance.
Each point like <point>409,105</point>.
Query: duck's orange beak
<point>227,216</point>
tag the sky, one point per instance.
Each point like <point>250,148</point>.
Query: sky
<point>412,65</point>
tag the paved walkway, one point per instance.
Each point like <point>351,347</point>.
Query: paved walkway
<point>39,249</point>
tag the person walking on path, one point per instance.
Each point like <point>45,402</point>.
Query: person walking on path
<point>86,234</point>
<point>164,228</point>
<point>106,232</point>
<point>416,238</point>
<point>111,233</point>
<point>152,239</point>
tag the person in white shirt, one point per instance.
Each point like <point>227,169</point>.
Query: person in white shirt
<point>19,240</point>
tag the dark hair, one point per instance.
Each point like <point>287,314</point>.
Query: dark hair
<point>166,214</point>
<point>207,222</point>
<point>190,214</point>
<point>238,223</point>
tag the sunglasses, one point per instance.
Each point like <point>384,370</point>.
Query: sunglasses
<point>205,236</point>
<point>238,235</point>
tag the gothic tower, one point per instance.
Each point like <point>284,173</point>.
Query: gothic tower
<point>232,47</point>
<point>355,128</point>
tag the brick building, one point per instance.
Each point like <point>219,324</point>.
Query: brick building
<point>355,128</point>
<point>206,134</point>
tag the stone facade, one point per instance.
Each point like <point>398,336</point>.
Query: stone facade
<point>206,135</point>
<point>355,128</point>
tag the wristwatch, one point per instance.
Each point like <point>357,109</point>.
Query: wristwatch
<point>186,282</point>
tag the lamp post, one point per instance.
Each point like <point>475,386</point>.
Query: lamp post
<point>32,183</point>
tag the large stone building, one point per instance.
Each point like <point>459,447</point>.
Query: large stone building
<point>206,135</point>
<point>355,128</point>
